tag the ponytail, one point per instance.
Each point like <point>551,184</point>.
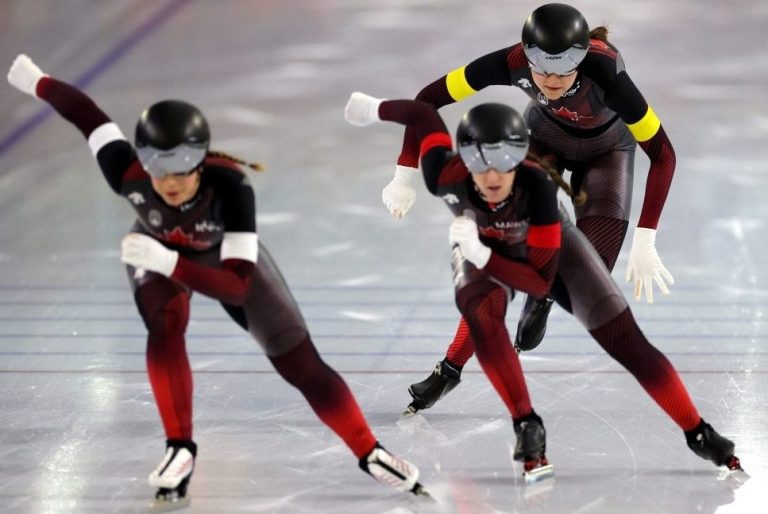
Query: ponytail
<point>223,155</point>
<point>600,33</point>
<point>578,198</point>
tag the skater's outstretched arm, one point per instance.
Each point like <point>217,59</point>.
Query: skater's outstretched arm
<point>113,152</point>
<point>118,162</point>
<point>438,161</point>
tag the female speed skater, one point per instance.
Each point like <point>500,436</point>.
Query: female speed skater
<point>196,231</point>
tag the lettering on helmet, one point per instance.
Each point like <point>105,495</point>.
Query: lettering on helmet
<point>553,57</point>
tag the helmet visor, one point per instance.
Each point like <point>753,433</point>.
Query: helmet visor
<point>564,63</point>
<point>179,159</point>
<point>503,156</point>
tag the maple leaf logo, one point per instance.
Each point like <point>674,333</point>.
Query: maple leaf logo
<point>180,238</point>
<point>569,115</point>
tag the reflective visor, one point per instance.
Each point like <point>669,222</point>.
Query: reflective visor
<point>503,156</point>
<point>177,160</point>
<point>564,63</point>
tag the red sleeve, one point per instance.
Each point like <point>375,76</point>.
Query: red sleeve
<point>623,97</point>
<point>72,104</point>
<point>229,284</point>
<point>662,155</point>
<point>533,277</point>
<point>490,69</point>
<point>536,275</point>
<point>429,130</point>
<point>116,159</point>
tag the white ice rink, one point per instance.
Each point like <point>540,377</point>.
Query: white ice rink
<point>79,431</point>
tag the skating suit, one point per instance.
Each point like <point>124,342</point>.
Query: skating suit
<point>591,130</point>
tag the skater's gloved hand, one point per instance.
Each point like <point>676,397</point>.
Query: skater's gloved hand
<point>144,252</point>
<point>463,232</point>
<point>645,267</point>
<point>24,75</point>
<point>398,196</point>
<point>362,109</point>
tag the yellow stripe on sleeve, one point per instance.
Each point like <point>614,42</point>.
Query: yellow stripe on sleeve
<point>647,127</point>
<point>457,84</point>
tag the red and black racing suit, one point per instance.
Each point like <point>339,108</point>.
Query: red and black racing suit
<point>535,249</point>
<point>592,130</point>
<point>249,287</point>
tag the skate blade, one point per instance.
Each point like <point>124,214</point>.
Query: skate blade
<point>410,411</point>
<point>538,474</point>
<point>169,505</point>
<point>419,490</point>
<point>734,464</point>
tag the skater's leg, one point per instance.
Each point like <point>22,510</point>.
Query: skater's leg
<point>604,217</point>
<point>624,341</point>
<point>327,394</point>
<point>606,235</point>
<point>446,375</point>
<point>483,304</point>
<point>461,349</point>
<point>273,318</point>
<point>164,307</point>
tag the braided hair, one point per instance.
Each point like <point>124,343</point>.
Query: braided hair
<point>255,166</point>
<point>578,198</point>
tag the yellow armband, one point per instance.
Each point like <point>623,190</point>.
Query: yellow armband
<point>457,85</point>
<point>647,127</point>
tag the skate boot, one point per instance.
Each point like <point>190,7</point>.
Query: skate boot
<point>530,447</point>
<point>533,323</point>
<point>709,445</point>
<point>172,475</point>
<point>391,471</point>
<point>426,393</point>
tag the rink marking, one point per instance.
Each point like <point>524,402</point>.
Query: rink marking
<point>104,63</point>
<point>391,337</point>
<point>542,353</point>
<point>378,372</point>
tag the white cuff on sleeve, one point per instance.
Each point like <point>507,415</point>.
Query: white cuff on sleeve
<point>104,135</point>
<point>240,245</point>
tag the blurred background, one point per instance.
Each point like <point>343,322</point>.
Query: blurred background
<point>79,430</point>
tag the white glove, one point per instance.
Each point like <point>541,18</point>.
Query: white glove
<point>24,75</point>
<point>463,232</point>
<point>144,252</point>
<point>362,109</point>
<point>400,194</point>
<point>645,265</point>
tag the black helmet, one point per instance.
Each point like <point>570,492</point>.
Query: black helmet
<point>171,137</point>
<point>492,136</point>
<point>555,39</point>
